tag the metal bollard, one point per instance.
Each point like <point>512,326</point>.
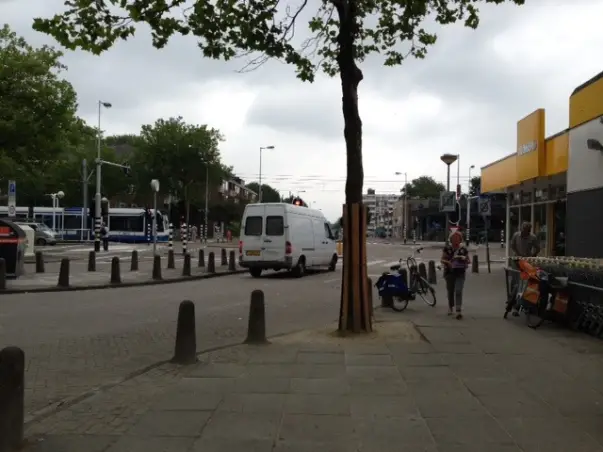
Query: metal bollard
<point>223,258</point>
<point>431,273</point>
<point>92,261</point>
<point>256,327</point>
<point>2,274</point>
<point>157,268</point>
<point>12,398</point>
<point>171,260</point>
<point>183,237</point>
<point>474,264</point>
<point>171,237</point>
<point>39,262</point>
<point>115,271</point>
<point>502,238</point>
<point>185,350</point>
<point>232,263</point>
<point>64,273</point>
<point>186,266</point>
<point>211,262</point>
<point>201,262</point>
<point>422,270</point>
<point>134,261</point>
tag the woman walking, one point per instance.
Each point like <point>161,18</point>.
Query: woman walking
<point>455,260</point>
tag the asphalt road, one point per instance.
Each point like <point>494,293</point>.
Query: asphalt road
<point>76,341</point>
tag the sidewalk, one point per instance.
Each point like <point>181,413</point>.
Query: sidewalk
<point>425,382</point>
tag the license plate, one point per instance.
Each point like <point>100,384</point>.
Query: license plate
<point>252,253</point>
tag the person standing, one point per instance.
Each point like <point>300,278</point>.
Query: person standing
<point>455,260</point>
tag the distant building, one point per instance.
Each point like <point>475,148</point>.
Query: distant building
<point>381,211</point>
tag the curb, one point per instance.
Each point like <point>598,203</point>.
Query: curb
<point>122,285</point>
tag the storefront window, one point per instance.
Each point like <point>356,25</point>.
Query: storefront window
<point>526,214</point>
<point>539,226</point>
<point>514,213</point>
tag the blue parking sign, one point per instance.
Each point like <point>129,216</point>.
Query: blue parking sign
<point>12,187</point>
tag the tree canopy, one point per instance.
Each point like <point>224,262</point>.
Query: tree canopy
<point>475,186</point>
<point>424,187</point>
<point>269,194</point>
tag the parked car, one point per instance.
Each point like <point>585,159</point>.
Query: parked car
<point>44,235</point>
<point>281,236</point>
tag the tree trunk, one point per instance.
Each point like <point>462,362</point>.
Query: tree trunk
<point>355,312</point>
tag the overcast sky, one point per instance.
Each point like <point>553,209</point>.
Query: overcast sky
<point>465,98</point>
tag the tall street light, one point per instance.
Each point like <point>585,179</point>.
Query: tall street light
<point>55,205</point>
<point>97,196</point>
<point>468,240</point>
<point>260,183</point>
<point>448,159</point>
<point>397,173</point>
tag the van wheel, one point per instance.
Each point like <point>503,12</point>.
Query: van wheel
<point>256,272</point>
<point>300,268</point>
<point>333,263</point>
<point>41,242</point>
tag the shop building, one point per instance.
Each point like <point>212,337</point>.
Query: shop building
<point>556,182</point>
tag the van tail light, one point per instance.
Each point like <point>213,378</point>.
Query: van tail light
<point>288,248</point>
<point>240,246</point>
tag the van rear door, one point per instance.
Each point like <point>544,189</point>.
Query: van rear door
<point>274,240</point>
<point>253,230</point>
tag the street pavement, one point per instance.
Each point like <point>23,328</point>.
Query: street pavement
<point>78,341</point>
<point>424,382</point>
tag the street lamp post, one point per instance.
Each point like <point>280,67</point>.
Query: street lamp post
<point>155,188</point>
<point>260,183</point>
<point>448,159</point>
<point>97,197</point>
<point>55,204</point>
<point>404,206</point>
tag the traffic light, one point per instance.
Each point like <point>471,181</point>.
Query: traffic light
<point>299,202</point>
<point>127,170</point>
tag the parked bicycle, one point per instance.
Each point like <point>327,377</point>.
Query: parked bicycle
<point>393,285</point>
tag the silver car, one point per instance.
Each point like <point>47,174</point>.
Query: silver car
<point>43,234</point>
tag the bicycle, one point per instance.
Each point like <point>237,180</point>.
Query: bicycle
<point>394,286</point>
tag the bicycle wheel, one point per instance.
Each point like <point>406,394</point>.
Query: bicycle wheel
<point>399,304</point>
<point>411,262</point>
<point>426,291</point>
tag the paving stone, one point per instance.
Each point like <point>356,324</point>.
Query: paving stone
<point>150,444</point>
<point>374,372</point>
<point>336,445</point>
<point>422,373</point>
<point>232,445</point>
<point>450,405</point>
<point>207,385</point>
<point>253,403</point>
<point>188,400</point>
<point>317,404</point>
<point>170,423</point>
<point>488,386</point>
<point>329,386</point>
<point>70,443</point>
<point>321,358</point>
<point>366,349</point>
<point>381,386</point>
<point>218,370</point>
<point>242,426</point>
<point>262,385</point>
<point>368,360</point>
<point>520,404</point>
<point>321,371</point>
<point>478,429</point>
<point>274,370</point>
<point>471,447</point>
<point>313,428</point>
<point>375,406</point>
<point>418,359</point>
<point>394,433</point>
<point>273,357</point>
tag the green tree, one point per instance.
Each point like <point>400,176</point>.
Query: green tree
<point>269,194</point>
<point>180,155</point>
<point>475,186</point>
<point>345,32</point>
<point>424,187</point>
<point>37,115</point>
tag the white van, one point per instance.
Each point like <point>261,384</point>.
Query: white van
<point>282,236</point>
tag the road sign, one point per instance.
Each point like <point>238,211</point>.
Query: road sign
<point>484,206</point>
<point>448,201</point>
<point>12,198</point>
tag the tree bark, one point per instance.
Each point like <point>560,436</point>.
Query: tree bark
<point>354,306</point>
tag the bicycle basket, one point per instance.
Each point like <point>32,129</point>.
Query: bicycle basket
<point>392,285</point>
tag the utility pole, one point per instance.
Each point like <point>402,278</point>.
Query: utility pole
<point>85,199</point>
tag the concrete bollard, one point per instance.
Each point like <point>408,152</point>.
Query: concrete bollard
<point>211,262</point>
<point>64,273</point>
<point>474,264</point>
<point>185,351</point>
<point>2,274</point>
<point>12,398</point>
<point>171,260</point>
<point>431,273</point>
<point>157,268</point>
<point>39,262</point>
<point>115,271</point>
<point>201,262</point>
<point>186,266</point>
<point>134,261</point>
<point>422,270</point>
<point>232,263</point>
<point>92,261</point>
<point>223,258</point>
<point>256,327</point>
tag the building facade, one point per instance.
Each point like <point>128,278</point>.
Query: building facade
<point>556,182</point>
<point>381,212</point>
